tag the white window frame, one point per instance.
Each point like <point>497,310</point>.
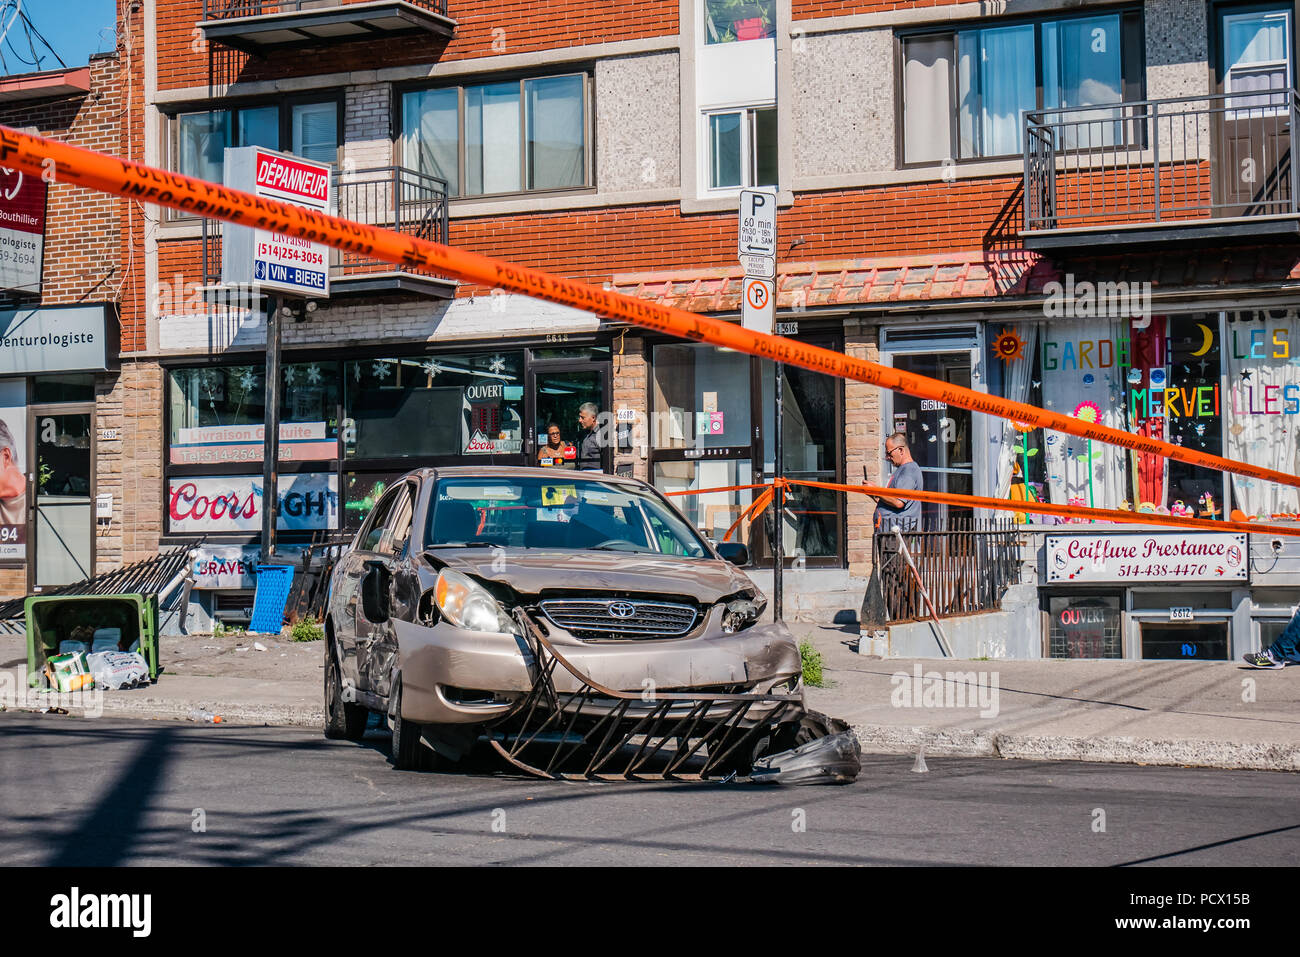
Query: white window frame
<point>1248,111</point>
<point>748,148</point>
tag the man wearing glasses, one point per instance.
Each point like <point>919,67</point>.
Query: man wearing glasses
<point>896,512</point>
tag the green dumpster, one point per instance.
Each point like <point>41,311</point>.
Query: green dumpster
<point>55,618</point>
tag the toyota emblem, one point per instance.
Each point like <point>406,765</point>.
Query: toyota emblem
<point>621,609</point>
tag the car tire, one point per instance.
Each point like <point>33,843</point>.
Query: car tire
<point>409,752</point>
<point>342,719</point>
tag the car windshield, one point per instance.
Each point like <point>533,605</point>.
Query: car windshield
<point>563,513</point>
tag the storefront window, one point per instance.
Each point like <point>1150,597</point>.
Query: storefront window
<point>811,451</point>
<point>360,493</point>
<point>1085,627</point>
<point>309,410</point>
<point>714,512</point>
<point>701,397</point>
<point>434,406</point>
<point>216,414</point>
<point>1161,380</point>
<point>1262,352</point>
<point>65,387</point>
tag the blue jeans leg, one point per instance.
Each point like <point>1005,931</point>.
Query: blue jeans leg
<point>1287,645</point>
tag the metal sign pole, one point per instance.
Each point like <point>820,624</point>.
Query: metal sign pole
<point>778,543</point>
<point>270,490</point>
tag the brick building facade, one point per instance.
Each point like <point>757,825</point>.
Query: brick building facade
<point>948,183</point>
<point>69,413</point>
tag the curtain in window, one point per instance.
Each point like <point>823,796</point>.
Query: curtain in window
<point>927,99</point>
<point>724,150</point>
<point>1079,384</point>
<point>555,132</point>
<point>1016,381</point>
<point>1255,50</point>
<point>315,132</point>
<point>492,139</point>
<point>996,85</point>
<point>259,126</point>
<point>1082,67</point>
<point>1263,405</point>
<point>431,134</point>
<point>203,141</point>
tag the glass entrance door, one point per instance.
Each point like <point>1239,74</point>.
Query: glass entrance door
<point>63,517</point>
<point>559,393</point>
<point>939,436</point>
<point>812,450</point>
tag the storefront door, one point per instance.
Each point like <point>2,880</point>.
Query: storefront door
<point>62,530</point>
<point>559,390</point>
<point>938,436</point>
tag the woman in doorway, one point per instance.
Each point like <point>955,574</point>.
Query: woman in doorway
<point>556,453</point>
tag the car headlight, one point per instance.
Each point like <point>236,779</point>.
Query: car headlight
<point>467,604</point>
<point>739,615</point>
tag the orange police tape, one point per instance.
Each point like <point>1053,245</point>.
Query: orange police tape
<point>59,162</point>
<point>759,504</point>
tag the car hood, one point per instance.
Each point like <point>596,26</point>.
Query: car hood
<point>534,571</point>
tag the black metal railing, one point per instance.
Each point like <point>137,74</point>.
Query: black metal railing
<point>1161,161</point>
<point>233,9</point>
<point>964,567</point>
<point>391,197</point>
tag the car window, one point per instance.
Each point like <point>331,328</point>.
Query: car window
<point>397,527</point>
<point>375,529</point>
<point>558,513</point>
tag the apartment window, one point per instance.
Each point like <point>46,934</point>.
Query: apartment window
<point>741,148</point>
<point>498,138</point>
<point>965,93</point>
<point>309,130</point>
<point>727,21</point>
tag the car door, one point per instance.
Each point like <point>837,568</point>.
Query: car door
<point>356,649</point>
<point>386,560</point>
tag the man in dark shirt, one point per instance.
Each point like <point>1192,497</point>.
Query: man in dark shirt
<point>897,512</point>
<point>589,457</point>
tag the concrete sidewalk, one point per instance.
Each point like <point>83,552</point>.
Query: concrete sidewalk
<point>1207,714</point>
<point>1156,712</point>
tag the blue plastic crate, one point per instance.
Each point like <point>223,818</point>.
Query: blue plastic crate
<point>272,594</point>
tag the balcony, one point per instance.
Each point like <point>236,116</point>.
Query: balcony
<point>1163,173</point>
<point>391,197</point>
<point>255,26</point>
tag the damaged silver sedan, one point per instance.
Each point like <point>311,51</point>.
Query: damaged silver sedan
<point>577,624</point>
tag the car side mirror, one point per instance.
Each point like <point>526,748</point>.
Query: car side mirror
<point>735,552</point>
<point>374,593</point>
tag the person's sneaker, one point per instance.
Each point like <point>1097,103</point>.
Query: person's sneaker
<point>1262,659</point>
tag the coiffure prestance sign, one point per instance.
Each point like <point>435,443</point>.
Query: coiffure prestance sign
<point>308,501</point>
<point>275,261</point>
<point>54,339</point>
<point>1209,556</point>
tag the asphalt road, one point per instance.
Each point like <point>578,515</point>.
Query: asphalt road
<point>110,792</point>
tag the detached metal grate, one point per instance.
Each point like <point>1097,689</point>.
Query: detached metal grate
<point>602,733</point>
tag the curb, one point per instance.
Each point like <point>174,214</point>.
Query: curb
<point>888,739</point>
<point>246,714</point>
<point>875,739</point>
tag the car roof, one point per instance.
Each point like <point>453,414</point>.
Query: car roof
<point>507,471</point>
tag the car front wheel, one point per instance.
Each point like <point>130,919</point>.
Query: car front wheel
<point>342,719</point>
<point>409,752</point>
